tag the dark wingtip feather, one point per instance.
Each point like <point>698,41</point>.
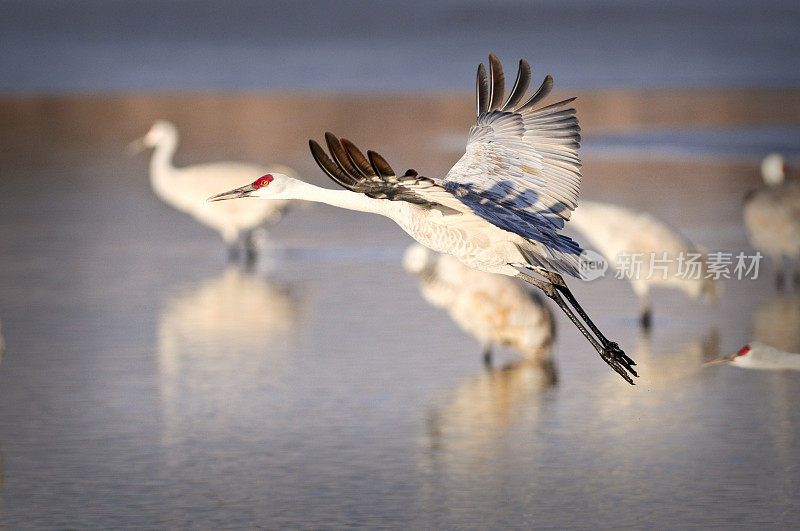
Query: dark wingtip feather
<point>341,157</point>
<point>380,165</point>
<point>496,82</point>
<point>540,94</point>
<point>328,166</point>
<point>520,86</point>
<point>482,90</point>
<point>358,159</point>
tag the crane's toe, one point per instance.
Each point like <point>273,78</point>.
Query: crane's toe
<point>619,361</point>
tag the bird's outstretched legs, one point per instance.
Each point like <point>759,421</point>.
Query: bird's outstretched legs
<point>554,287</point>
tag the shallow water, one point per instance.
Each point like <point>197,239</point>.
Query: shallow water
<point>147,383</point>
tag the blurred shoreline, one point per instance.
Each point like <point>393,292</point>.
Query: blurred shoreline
<point>424,131</point>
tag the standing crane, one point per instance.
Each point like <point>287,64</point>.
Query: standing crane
<point>499,209</point>
<point>186,189</point>
<point>493,309</point>
<point>617,231</point>
<point>772,218</point>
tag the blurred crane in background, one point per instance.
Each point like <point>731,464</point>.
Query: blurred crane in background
<point>186,189</point>
<point>493,309</point>
<point>620,233</point>
<point>772,218</point>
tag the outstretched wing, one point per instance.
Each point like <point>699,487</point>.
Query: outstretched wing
<point>373,177</point>
<point>521,170</point>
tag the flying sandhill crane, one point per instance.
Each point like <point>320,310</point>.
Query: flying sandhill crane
<point>499,209</point>
<point>620,233</point>
<point>772,218</point>
<point>186,189</point>
<point>492,308</point>
<point>761,356</point>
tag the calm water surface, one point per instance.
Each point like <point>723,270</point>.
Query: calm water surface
<point>146,382</point>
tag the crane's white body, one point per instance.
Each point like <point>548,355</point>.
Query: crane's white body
<point>187,188</point>
<point>764,357</point>
<point>471,239</point>
<point>492,308</point>
<point>617,232</point>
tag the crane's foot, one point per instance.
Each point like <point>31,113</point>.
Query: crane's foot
<point>619,361</point>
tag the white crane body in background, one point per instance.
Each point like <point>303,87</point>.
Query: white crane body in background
<point>622,233</point>
<point>186,189</point>
<point>499,209</point>
<point>493,309</point>
<point>772,218</point>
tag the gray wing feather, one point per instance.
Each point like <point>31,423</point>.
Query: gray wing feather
<point>521,160</point>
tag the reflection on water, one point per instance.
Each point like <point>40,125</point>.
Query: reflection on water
<point>667,364</point>
<point>220,343</point>
<point>776,322</point>
<point>485,406</point>
<point>139,395</point>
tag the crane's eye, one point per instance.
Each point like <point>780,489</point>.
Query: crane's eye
<point>263,181</point>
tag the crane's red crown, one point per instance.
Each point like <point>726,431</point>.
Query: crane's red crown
<point>261,182</point>
<point>745,349</point>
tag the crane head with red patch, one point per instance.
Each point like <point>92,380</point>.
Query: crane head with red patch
<point>244,191</point>
<point>744,351</point>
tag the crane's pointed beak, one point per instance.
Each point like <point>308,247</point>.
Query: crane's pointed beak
<point>720,361</point>
<point>135,147</point>
<point>236,193</point>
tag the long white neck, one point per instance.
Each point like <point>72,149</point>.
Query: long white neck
<point>161,166</point>
<point>297,189</point>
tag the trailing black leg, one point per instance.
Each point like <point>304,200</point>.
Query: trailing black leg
<point>559,283</point>
<point>608,350</point>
